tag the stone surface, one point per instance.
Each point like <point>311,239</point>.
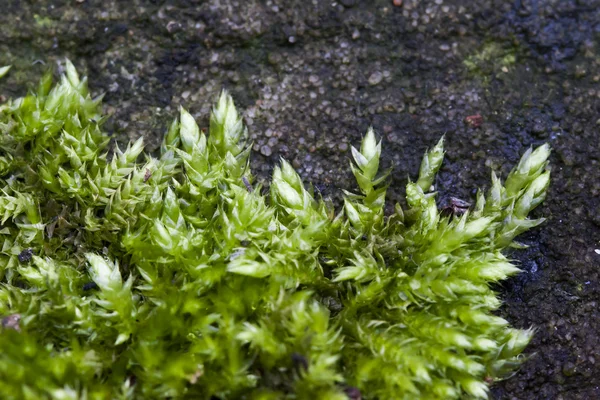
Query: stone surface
<point>300,71</point>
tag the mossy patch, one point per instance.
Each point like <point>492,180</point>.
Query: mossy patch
<point>177,277</point>
<point>491,58</point>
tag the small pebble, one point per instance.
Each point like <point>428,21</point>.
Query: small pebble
<point>375,78</point>
<point>265,151</point>
<point>12,322</point>
<point>569,369</point>
<point>25,255</point>
<point>274,58</point>
<point>445,47</point>
<point>173,26</point>
<point>580,71</point>
<point>539,128</point>
<point>397,3</point>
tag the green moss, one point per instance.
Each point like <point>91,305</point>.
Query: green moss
<point>491,58</point>
<point>43,22</point>
<point>4,70</point>
<point>176,277</point>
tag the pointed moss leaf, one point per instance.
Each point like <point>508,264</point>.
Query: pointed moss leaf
<point>171,138</point>
<point>369,147</point>
<point>539,157</point>
<point>227,131</point>
<point>189,131</point>
<point>254,268</point>
<point>359,158</point>
<point>540,184</point>
<point>475,388</point>
<point>430,165</point>
<point>4,70</point>
<point>106,274</point>
<point>72,74</point>
<point>529,166</point>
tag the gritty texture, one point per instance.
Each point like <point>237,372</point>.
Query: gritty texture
<point>494,76</point>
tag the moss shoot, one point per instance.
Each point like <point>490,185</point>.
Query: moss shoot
<point>127,276</point>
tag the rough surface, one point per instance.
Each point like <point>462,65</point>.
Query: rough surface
<point>494,76</point>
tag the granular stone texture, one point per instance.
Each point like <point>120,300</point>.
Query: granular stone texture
<point>494,76</point>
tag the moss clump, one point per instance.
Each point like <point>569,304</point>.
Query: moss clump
<point>176,277</point>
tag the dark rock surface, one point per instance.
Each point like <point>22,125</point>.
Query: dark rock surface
<point>312,75</point>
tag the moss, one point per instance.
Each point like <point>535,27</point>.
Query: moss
<point>43,22</point>
<point>491,58</point>
<point>177,277</point>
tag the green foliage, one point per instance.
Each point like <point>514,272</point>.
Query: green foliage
<point>176,277</point>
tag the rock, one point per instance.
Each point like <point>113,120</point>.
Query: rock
<point>173,26</point>
<point>265,151</point>
<point>539,129</point>
<point>375,78</point>
<point>569,369</point>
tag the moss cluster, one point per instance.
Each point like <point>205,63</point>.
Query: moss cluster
<point>177,277</point>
